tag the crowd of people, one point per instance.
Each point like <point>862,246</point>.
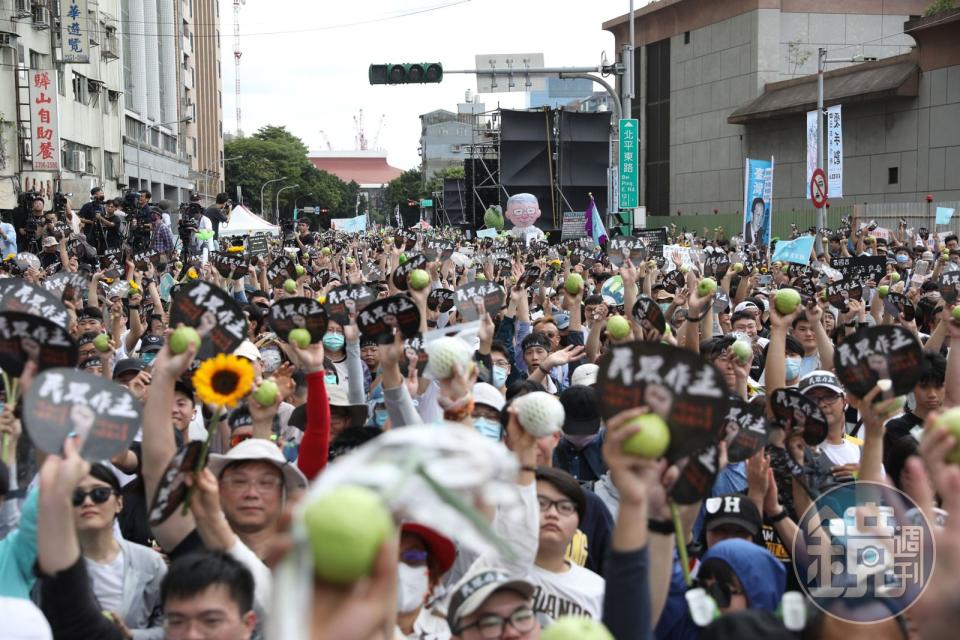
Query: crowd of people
<point>487,392</point>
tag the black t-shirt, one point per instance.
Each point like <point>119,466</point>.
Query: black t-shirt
<point>898,428</point>
<point>115,233</point>
<point>89,211</point>
<point>216,216</point>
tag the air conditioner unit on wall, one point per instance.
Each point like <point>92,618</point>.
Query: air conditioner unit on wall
<point>8,39</point>
<point>78,161</point>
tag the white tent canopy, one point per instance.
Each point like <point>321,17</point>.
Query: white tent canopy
<point>245,222</point>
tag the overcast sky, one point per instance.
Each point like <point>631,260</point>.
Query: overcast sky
<point>305,62</point>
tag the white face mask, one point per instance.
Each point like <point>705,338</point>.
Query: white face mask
<point>412,586</point>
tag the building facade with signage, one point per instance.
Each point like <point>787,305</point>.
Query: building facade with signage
<point>721,81</point>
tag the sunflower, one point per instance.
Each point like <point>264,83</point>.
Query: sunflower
<point>223,380</point>
<point>134,287</point>
<point>235,250</point>
<point>192,273</point>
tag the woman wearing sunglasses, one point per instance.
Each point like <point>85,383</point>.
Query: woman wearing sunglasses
<point>125,577</point>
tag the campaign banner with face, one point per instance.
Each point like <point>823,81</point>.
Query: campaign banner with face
<point>65,284</point>
<point>745,431</point>
<point>16,294</point>
<point>402,272</point>
<point>796,414</point>
<point>380,318</point>
<point>483,292</point>
<point>689,394</point>
<point>298,313</point>
<point>28,338</point>
<point>440,300</point>
<point>103,416</point>
<point>213,313</point>
<point>623,248</point>
<point>282,268</point>
<point>347,299</point>
<point>172,490</point>
<point>232,266</point>
<point>879,353</point>
<point>647,314</point>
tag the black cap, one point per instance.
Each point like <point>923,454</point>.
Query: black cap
<point>732,508</point>
<point>184,386</point>
<point>151,344</point>
<point>128,365</point>
<point>582,410</point>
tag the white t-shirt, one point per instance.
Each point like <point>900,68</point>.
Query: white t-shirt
<point>845,453</point>
<point>107,581</point>
<point>578,592</point>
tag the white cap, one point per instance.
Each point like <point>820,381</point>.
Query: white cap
<point>264,451</point>
<point>487,394</point>
<point>585,374</point>
<point>247,350</point>
<point>744,305</point>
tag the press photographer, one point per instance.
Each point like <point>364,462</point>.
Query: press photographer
<point>190,214</point>
<point>32,222</point>
<point>219,212</point>
<point>92,220</point>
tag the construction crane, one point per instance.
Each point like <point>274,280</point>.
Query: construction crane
<point>326,140</point>
<point>236,58</point>
<point>376,138</point>
<point>360,139</point>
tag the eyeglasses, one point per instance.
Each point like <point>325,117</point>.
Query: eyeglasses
<point>500,363</point>
<point>491,626</point>
<point>825,399</point>
<point>564,507</point>
<point>98,495</point>
<point>266,484</point>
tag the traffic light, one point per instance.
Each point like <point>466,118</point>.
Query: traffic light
<point>409,73</point>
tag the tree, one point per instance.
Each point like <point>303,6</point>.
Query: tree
<point>407,186</point>
<point>435,183</point>
<point>273,152</point>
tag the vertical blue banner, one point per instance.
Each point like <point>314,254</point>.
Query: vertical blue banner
<point>757,201</point>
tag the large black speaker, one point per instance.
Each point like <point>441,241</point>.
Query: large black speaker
<point>454,200</point>
<point>583,159</point>
<point>525,139</point>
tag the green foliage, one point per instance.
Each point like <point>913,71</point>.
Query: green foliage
<point>273,152</point>
<point>407,186</point>
<point>435,183</point>
<point>939,6</point>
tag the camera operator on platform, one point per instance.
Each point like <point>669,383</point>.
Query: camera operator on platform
<point>218,212</point>
<point>92,220</point>
<point>32,230</point>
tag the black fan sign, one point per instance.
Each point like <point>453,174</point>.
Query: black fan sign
<point>745,431</point>
<point>347,299</point>
<point>861,268</point>
<point>440,300</point>
<point>878,353</point>
<point>103,416</point>
<point>647,314</point>
<point>232,266</point>
<point>25,338</point>
<point>896,303</point>
<point>213,313</point>
<point>623,248</point>
<point>949,286</point>
<point>143,259</point>
<point>298,313</point>
<point>19,295</point>
<point>795,413</point>
<point>172,490</point>
<point>697,474</point>
<point>66,284</point>
<point>484,292</point>
<point>402,272</point>
<point>379,318</point>
<point>281,269</point>
<point>530,277</point>
<point>435,249</point>
<point>674,383</point>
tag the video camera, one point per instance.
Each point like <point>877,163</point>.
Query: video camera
<point>60,202</point>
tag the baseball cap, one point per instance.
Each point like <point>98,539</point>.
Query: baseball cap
<point>819,379</point>
<point>732,509</point>
<point>263,451</point>
<point>438,546</point>
<point>128,365</point>
<point>582,410</point>
<point>475,587</point>
<point>151,344</point>
<point>49,241</point>
<point>247,350</point>
<point>746,304</point>
<point>585,375</point>
<point>487,394</point>
<point>562,320</point>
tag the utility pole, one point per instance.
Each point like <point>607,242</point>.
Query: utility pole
<point>626,83</point>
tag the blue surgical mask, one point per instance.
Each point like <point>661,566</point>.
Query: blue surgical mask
<point>663,306</point>
<point>902,258</point>
<point>380,417</point>
<point>499,375</point>
<point>333,341</point>
<point>793,368</point>
<point>487,427</point>
<point>330,378</point>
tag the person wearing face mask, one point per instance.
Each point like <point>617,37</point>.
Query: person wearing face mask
<point>500,361</point>
<point>487,404</point>
<point>579,451</point>
<point>425,557</point>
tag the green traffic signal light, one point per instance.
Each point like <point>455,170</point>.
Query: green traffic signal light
<point>407,73</point>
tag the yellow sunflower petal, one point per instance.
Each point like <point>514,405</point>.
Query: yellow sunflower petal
<point>223,380</point>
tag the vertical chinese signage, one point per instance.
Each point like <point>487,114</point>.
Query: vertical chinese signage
<point>629,176</point>
<point>834,166</point>
<point>812,149</point>
<point>758,202</point>
<point>74,31</point>
<point>44,121</point>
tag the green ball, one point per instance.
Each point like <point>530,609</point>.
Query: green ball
<point>290,285</point>
<point>618,327</point>
<point>299,337</point>
<point>181,338</point>
<point>652,441</point>
<point>266,394</point>
<point>576,628</point>
<point>102,343</point>
<point>345,529</point>
<point>573,284</point>
<point>418,279</point>
<point>786,301</point>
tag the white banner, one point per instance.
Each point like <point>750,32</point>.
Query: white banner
<point>74,31</point>
<point>834,166</point>
<point>44,121</point>
<point>811,149</point>
<point>356,224</point>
